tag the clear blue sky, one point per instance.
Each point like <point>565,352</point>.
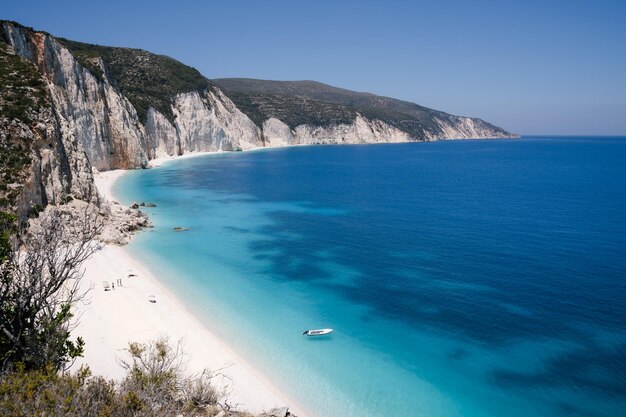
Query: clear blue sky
<point>533,67</point>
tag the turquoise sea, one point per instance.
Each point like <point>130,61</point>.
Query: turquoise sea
<point>462,278</point>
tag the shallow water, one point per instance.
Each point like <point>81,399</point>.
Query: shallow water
<point>465,278</point>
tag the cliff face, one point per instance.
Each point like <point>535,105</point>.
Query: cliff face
<point>362,130</point>
<point>89,111</point>
<point>94,94</point>
<point>38,165</point>
<point>208,121</point>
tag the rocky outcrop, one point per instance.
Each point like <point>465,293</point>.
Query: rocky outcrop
<point>112,223</point>
<point>121,223</point>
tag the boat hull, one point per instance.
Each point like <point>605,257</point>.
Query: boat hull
<point>317,332</point>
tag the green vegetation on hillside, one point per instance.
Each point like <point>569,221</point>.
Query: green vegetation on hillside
<point>146,79</point>
<point>22,90</point>
<point>22,94</point>
<point>292,110</point>
<point>310,102</point>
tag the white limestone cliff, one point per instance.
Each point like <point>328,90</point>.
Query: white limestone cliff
<point>209,121</point>
<point>88,110</point>
<point>362,130</point>
<point>465,128</point>
<point>162,137</point>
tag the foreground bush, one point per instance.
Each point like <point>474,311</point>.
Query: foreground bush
<point>155,385</point>
<point>156,382</point>
<point>44,392</point>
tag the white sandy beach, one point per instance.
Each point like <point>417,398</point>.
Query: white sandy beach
<point>109,320</point>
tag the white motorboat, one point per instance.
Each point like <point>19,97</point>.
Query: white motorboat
<point>317,332</point>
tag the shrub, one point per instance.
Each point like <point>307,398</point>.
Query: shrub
<point>44,392</point>
<point>154,386</point>
<point>156,381</point>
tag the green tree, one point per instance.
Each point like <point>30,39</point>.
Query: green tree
<point>39,284</point>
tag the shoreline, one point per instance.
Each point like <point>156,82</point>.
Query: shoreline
<point>109,320</point>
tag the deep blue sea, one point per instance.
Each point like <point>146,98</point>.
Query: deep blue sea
<point>462,278</point>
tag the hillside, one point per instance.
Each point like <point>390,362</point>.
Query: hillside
<point>67,108</point>
<point>311,102</point>
<point>146,79</point>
